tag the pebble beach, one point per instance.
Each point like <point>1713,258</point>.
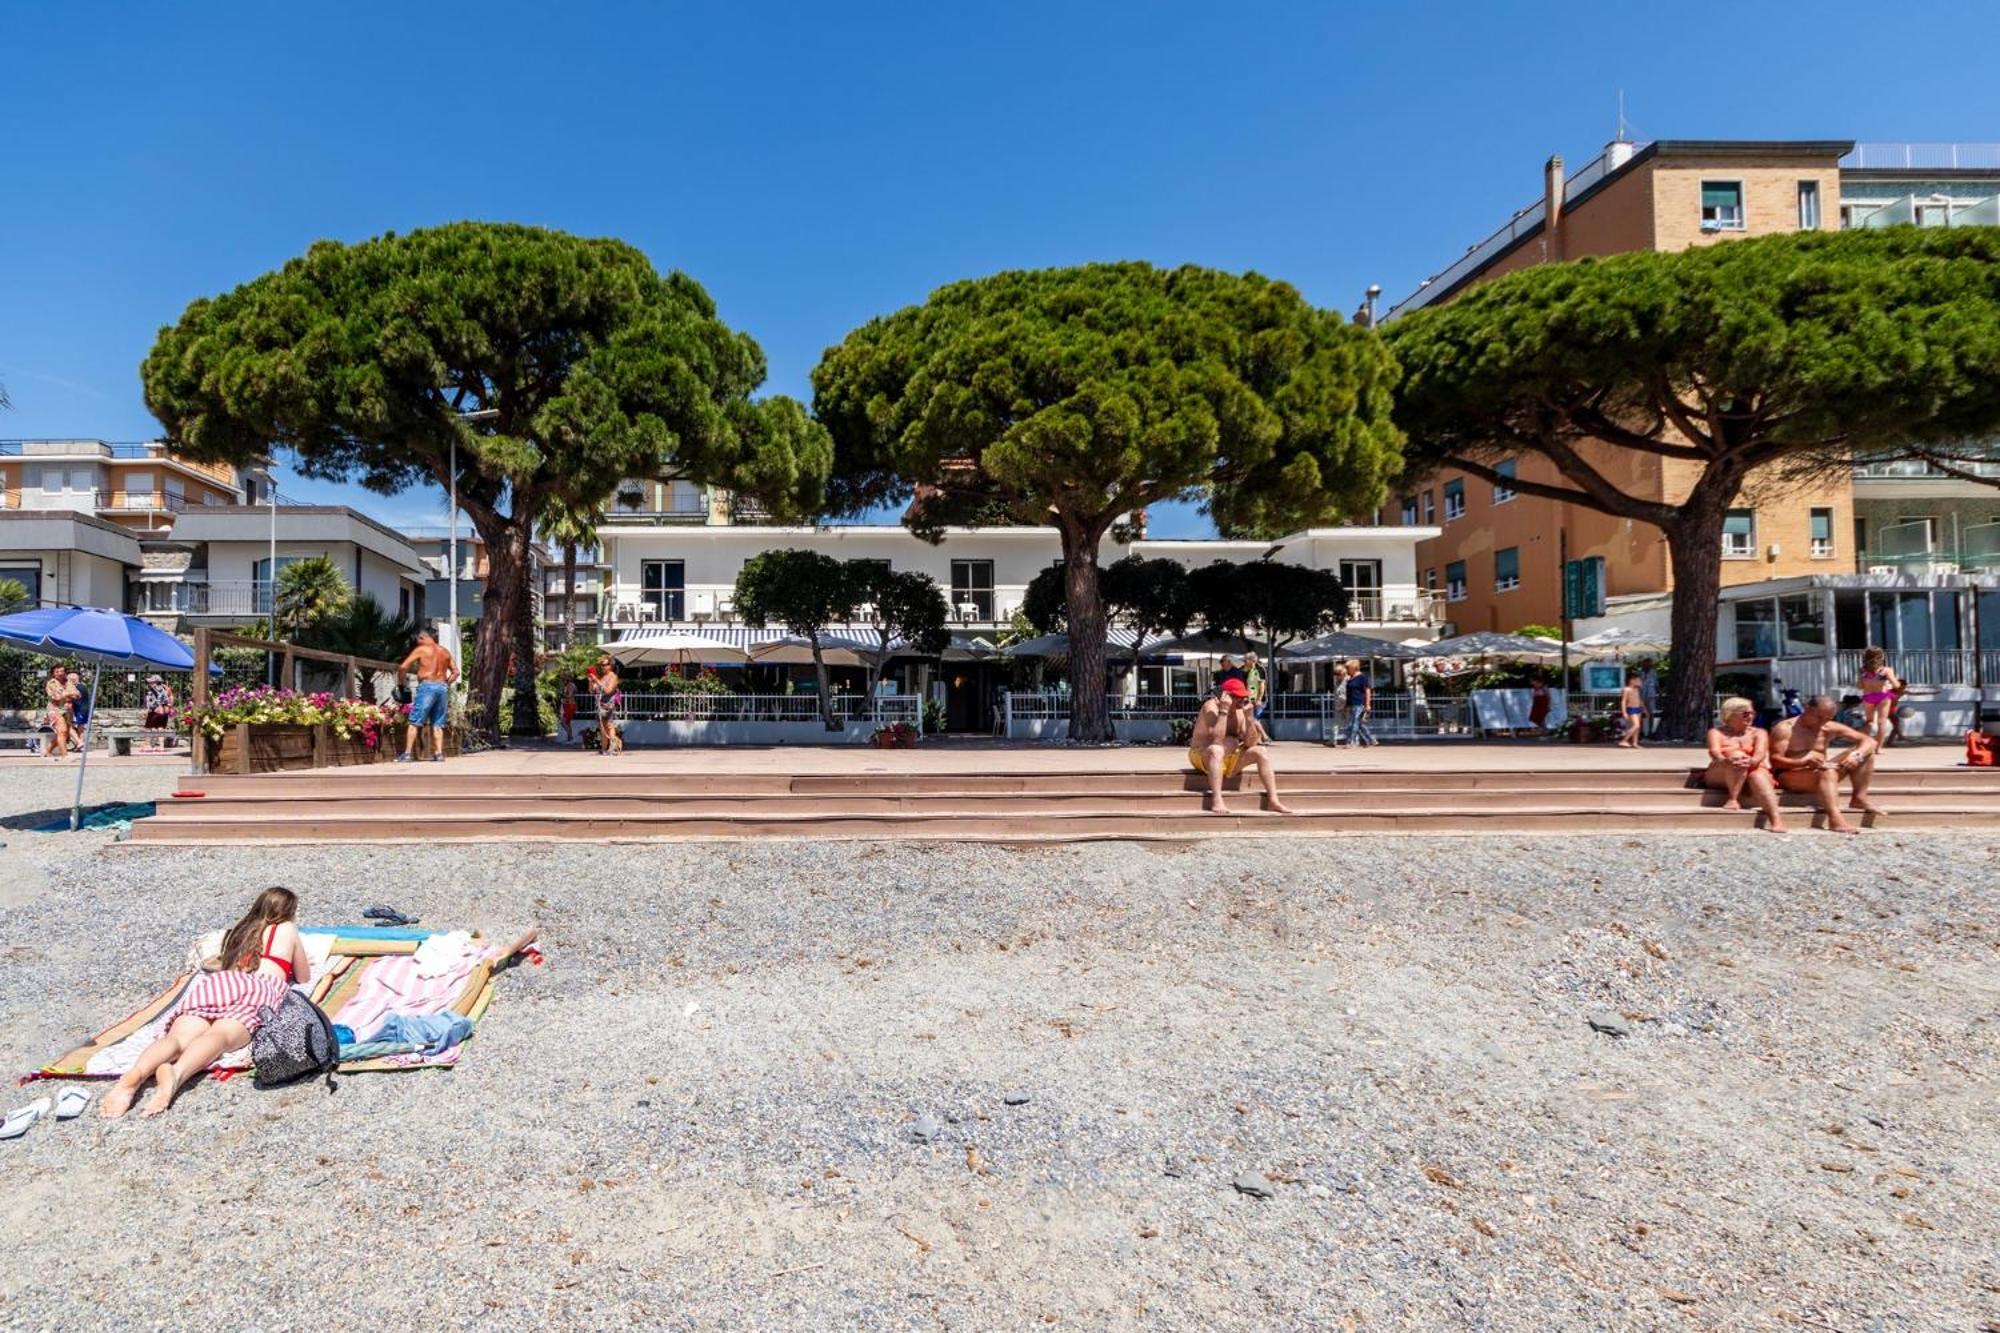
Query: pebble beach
<point>1370,1083</point>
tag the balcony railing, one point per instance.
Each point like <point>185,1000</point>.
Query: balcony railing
<point>224,597</point>
<point>1917,469</point>
<point>1918,667</point>
<point>1976,552</point>
<point>157,502</point>
<point>678,511</point>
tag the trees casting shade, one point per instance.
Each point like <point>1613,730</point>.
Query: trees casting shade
<point>1712,363</point>
<point>1074,397</point>
<point>898,604</point>
<point>804,591</point>
<point>360,360</point>
<point>1152,597</point>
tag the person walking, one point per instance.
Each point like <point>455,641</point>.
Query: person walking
<point>567,709</point>
<point>431,707</point>
<point>1360,702</point>
<point>63,693</point>
<point>1632,709</point>
<point>1253,677</point>
<point>1339,690</point>
<point>604,684</point>
<point>160,710</point>
<point>1880,690</point>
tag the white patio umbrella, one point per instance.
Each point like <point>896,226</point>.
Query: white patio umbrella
<point>1488,643</point>
<point>672,648</point>
<point>1620,641</point>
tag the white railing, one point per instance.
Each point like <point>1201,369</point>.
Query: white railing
<point>678,706</point>
<point>1397,715</point>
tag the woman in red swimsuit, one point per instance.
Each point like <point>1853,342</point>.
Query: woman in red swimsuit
<point>261,955</point>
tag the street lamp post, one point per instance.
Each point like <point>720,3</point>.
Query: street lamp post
<point>451,541</point>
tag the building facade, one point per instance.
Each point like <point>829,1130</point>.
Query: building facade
<point>141,487</point>
<point>1499,560</point>
<point>217,568</point>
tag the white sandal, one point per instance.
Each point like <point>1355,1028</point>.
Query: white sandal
<point>17,1122</point>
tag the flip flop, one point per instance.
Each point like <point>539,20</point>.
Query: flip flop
<point>17,1122</point>
<point>389,916</point>
<point>70,1103</point>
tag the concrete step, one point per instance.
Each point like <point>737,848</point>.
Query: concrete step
<point>1055,803</point>
<point>584,824</point>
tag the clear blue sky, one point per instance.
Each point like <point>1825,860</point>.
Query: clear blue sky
<point>816,164</point>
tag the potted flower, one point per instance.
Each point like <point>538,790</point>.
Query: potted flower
<point>355,731</point>
<point>894,736</point>
<point>255,729</point>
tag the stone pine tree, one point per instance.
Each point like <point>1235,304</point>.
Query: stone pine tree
<point>1712,364</point>
<point>805,592</point>
<point>557,364</point>
<point>1076,397</point>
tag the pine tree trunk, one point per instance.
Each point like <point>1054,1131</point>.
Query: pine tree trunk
<point>496,614</point>
<point>1694,546</point>
<point>825,687</point>
<point>527,719</point>
<point>1089,716</point>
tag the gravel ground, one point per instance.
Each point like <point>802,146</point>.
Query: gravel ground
<point>786,1085</point>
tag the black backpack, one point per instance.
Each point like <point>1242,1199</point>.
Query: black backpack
<point>294,1040</point>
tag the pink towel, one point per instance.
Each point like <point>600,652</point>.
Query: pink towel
<point>391,986</point>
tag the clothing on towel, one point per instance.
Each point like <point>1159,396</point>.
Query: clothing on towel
<point>342,1035</point>
<point>391,986</point>
<point>436,1033</point>
<point>441,955</point>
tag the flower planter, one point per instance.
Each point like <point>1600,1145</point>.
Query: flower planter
<point>337,753</point>
<point>260,747</point>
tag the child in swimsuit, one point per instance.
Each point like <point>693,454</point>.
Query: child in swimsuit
<point>1633,702</point>
<point>1880,688</point>
<point>261,957</point>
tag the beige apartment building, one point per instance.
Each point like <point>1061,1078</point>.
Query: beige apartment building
<point>1499,559</point>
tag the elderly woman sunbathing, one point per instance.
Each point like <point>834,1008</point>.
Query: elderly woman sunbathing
<point>1739,759</point>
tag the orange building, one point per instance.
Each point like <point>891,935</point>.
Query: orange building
<point>1499,560</point>
<point>139,487</point>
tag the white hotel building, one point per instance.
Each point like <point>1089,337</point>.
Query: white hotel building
<point>670,553</point>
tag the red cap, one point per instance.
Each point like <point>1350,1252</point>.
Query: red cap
<point>1235,686</point>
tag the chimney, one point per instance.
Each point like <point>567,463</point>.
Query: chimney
<point>1617,153</point>
<point>1552,207</point>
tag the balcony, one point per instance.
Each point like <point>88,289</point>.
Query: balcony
<point>1977,551</point>
<point>1401,606</point>
<point>239,598</point>
<point>151,502</point>
<point>635,505</point>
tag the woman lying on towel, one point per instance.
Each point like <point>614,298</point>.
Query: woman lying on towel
<point>261,956</point>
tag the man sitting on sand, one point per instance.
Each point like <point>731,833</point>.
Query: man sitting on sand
<point>1228,739</point>
<point>1798,754</point>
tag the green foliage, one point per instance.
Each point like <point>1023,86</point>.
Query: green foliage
<point>902,604</point>
<point>360,358</point>
<point>1792,351</point>
<point>1541,631</point>
<point>1099,389</point>
<point>933,717</point>
<point>1072,397</point>
<point>1180,731</point>
<point>365,629</point>
<point>1268,601</point>
<point>1149,596</point>
<point>803,590</point>
<point>13,595</point>
<point>310,593</point>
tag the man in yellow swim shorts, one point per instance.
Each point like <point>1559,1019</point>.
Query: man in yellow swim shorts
<point>1227,739</point>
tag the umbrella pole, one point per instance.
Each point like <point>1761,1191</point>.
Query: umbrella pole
<point>89,725</point>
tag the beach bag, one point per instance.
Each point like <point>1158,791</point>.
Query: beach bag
<point>294,1040</point>
<point>1980,749</point>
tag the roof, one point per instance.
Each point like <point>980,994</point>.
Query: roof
<point>106,538</point>
<point>224,523</point>
<point>1529,222</point>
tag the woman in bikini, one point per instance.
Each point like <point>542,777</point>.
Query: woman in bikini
<point>1880,690</point>
<point>222,1007</point>
<point>1739,756</point>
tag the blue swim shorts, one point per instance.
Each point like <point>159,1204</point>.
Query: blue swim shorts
<point>429,707</point>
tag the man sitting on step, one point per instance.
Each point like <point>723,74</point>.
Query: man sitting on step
<point>1801,763</point>
<point>1227,739</point>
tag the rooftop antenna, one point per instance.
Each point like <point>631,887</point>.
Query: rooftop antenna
<point>1620,136</point>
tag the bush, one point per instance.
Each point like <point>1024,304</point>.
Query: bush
<point>933,717</point>
<point>1180,731</point>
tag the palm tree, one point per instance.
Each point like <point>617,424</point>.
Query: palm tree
<point>310,593</point>
<point>365,629</point>
<point>569,528</point>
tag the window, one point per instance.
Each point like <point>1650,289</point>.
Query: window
<point>1507,569</point>
<point>1822,533</point>
<point>1454,500</point>
<point>52,481</point>
<point>972,589</point>
<point>1454,581</point>
<point>1503,492</point>
<point>1757,628</point>
<point>30,579</point>
<point>1430,509</point>
<point>1409,511</point>
<point>1808,205</point>
<point>1722,205</point>
<point>663,589</point>
<point>1739,534</point>
<point>1802,621</point>
<point>1363,581</point>
<point>260,588</point>
<point>1431,579</point>
<point>403,607</point>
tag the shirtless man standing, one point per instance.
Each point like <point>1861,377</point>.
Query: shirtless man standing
<point>435,673</point>
<point>1227,739</point>
<point>1798,754</point>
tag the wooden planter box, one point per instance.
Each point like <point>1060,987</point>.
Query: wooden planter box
<point>263,747</point>
<point>337,753</point>
<point>392,741</point>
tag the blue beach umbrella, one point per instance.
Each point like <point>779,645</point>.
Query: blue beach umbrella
<point>98,637</point>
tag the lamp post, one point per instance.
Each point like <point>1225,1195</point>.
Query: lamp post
<point>1365,316</point>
